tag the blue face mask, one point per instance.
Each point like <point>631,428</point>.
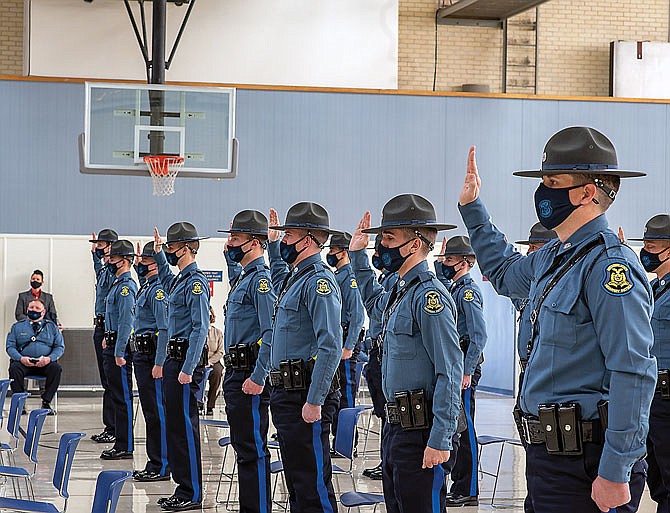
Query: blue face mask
<point>377,263</point>
<point>391,258</point>
<point>113,267</point>
<point>449,271</point>
<point>332,259</point>
<point>99,252</point>
<point>288,252</point>
<point>172,258</point>
<point>236,253</point>
<point>33,316</point>
<point>651,261</point>
<point>553,206</point>
<point>142,270</point>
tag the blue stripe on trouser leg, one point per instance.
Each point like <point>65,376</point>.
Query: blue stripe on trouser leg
<point>128,399</point>
<point>318,454</point>
<point>193,459</point>
<point>161,416</point>
<point>438,483</point>
<point>349,383</point>
<point>473,441</point>
<point>255,408</point>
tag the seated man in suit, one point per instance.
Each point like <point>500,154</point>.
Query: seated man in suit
<point>36,292</point>
<point>34,345</point>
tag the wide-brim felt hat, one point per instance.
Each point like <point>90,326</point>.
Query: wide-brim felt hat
<point>409,211</point>
<point>182,232</point>
<point>339,240</point>
<point>579,150</point>
<point>657,228</point>
<point>252,222</point>
<point>148,251</point>
<point>538,234</point>
<point>106,235</point>
<point>122,248</point>
<point>306,215</point>
<point>458,245</point>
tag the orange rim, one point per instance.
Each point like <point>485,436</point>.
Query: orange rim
<point>160,164</point>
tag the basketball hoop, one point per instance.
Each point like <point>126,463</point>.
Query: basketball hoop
<point>163,170</point>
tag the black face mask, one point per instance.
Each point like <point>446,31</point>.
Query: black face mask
<point>449,271</point>
<point>377,263</point>
<point>391,258</point>
<point>100,252</point>
<point>35,284</point>
<point>288,252</point>
<point>332,259</point>
<point>236,253</point>
<point>553,206</point>
<point>651,261</point>
<point>172,258</point>
<point>33,315</point>
<point>142,270</point>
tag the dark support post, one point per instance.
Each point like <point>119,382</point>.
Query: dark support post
<point>156,98</point>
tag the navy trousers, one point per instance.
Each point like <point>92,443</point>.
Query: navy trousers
<point>151,399</point>
<point>658,453</point>
<point>183,430</point>
<point>107,402</point>
<point>305,450</point>
<point>249,420</point>
<point>120,381</point>
<point>348,387</point>
<point>563,483</point>
<point>408,488</point>
<point>465,472</point>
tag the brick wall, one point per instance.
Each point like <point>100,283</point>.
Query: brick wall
<point>11,37</point>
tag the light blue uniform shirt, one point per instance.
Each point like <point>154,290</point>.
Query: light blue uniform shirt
<point>103,281</point>
<point>660,322</point>
<point>151,314</point>
<point>48,341</point>
<point>120,311</point>
<point>353,312</point>
<point>594,335</point>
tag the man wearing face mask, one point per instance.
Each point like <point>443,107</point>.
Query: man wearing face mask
<point>34,345</point>
<point>655,258</point>
<point>306,350</point>
<point>116,354</point>
<point>422,363</point>
<point>36,292</point>
<point>454,269</point>
<point>247,341</point>
<point>188,323</point>
<point>148,359</point>
<point>353,320</point>
<point>373,370</point>
<point>104,278</point>
<point>591,333</point>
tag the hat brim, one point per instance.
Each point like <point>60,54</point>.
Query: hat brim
<point>101,240</point>
<point>650,238</point>
<point>539,173</point>
<point>435,226</point>
<point>248,232</point>
<point>285,227</point>
<point>190,239</point>
<point>529,242</point>
<point>469,253</point>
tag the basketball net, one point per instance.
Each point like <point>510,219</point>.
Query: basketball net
<point>163,170</point>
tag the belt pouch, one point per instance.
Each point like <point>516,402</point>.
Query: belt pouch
<point>418,405</point>
<point>404,409</point>
<point>298,380</point>
<point>549,420</point>
<point>569,419</point>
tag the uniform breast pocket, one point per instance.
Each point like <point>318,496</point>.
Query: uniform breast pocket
<point>558,324</point>
<point>141,301</point>
<point>401,343</point>
<point>290,313</point>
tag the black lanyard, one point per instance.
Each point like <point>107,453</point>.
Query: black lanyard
<point>175,283</point>
<point>393,303</point>
<point>238,281</point>
<point>288,282</point>
<point>657,294</point>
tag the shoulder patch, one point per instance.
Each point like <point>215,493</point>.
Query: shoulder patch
<point>617,279</point>
<point>323,287</point>
<point>468,295</point>
<point>432,303</point>
<point>354,283</point>
<point>125,290</point>
<point>263,285</point>
<point>160,295</point>
<point>197,288</point>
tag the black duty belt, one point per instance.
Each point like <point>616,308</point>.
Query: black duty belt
<point>178,347</point>
<point>110,338</point>
<point>99,321</point>
<point>663,383</point>
<point>146,344</point>
<point>295,375</point>
<point>241,357</point>
<point>410,409</point>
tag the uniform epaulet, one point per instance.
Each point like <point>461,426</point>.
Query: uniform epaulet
<point>425,276</point>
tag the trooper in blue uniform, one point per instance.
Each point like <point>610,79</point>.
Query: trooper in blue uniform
<point>306,350</point>
<point>655,258</point>
<point>373,370</point>
<point>591,329</point>
<point>116,354</point>
<point>150,335</point>
<point>188,322</point>
<point>247,342</point>
<point>353,319</point>
<point>422,364</point>
<point>453,271</point>
<point>103,281</point>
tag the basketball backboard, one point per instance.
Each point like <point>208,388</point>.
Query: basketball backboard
<point>126,122</point>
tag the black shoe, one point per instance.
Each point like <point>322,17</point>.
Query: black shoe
<point>148,477</point>
<point>179,504</point>
<point>115,454</point>
<point>462,500</point>
<point>24,411</point>
<point>104,438</point>
<point>47,406</point>
<point>163,500</point>
<point>376,474</point>
<point>334,454</point>
<point>369,471</point>
<point>209,412</point>
<point>275,437</point>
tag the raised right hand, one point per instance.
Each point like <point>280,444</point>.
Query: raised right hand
<point>360,240</point>
<point>158,242</point>
<point>93,244</point>
<point>444,248</point>
<point>273,235</point>
<point>473,183</point>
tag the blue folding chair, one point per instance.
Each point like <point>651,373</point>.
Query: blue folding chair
<point>13,424</point>
<point>345,439</point>
<point>108,489</point>
<point>225,444</point>
<point>358,499</point>
<point>40,379</point>
<point>4,388</point>
<point>66,449</point>
<point>201,389</point>
<point>35,423</point>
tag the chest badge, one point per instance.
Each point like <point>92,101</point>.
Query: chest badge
<point>617,280</point>
<point>323,287</point>
<point>354,283</point>
<point>160,295</point>
<point>125,290</point>
<point>263,285</point>
<point>468,295</point>
<point>432,303</point>
<point>197,288</point>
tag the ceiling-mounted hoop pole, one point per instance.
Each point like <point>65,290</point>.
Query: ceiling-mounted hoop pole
<point>180,33</point>
<point>140,42</point>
